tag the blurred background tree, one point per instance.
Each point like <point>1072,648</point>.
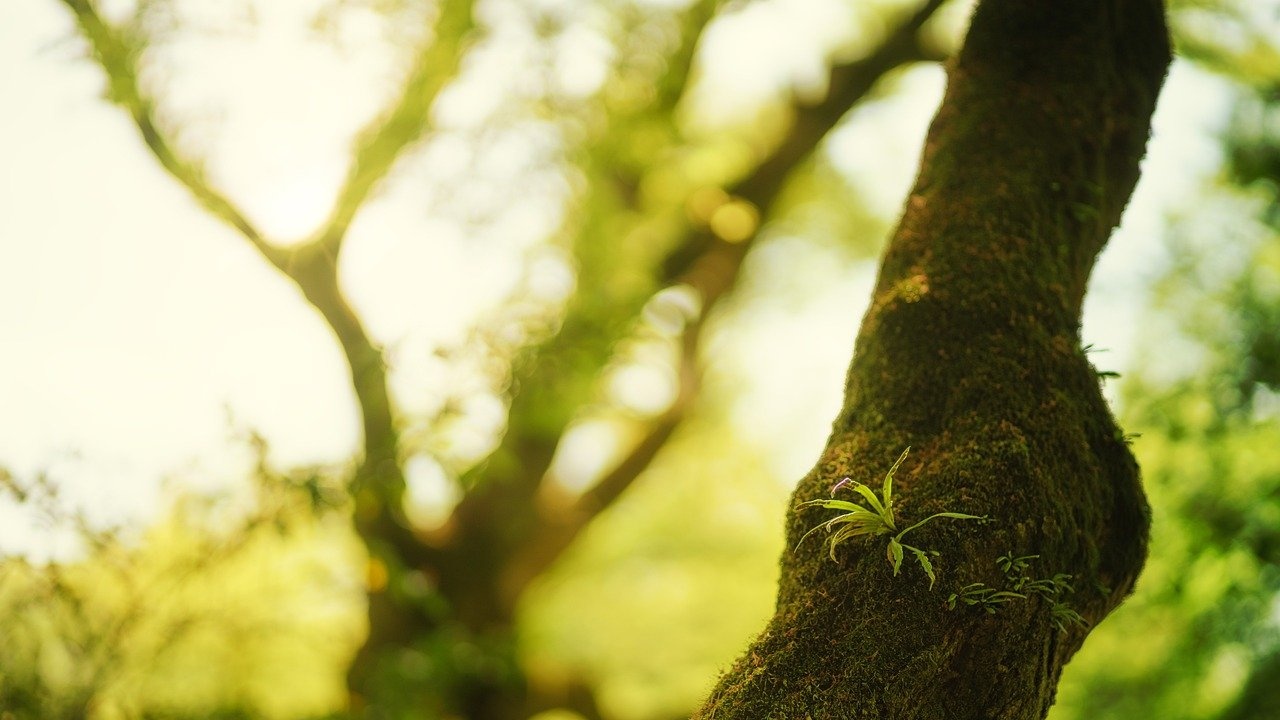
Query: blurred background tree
<point>570,503</point>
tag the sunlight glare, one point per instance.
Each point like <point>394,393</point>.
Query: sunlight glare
<point>644,388</point>
<point>294,210</point>
<point>749,56</point>
<point>584,454</point>
<point>432,494</point>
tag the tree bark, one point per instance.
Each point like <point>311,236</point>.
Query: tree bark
<point>970,354</point>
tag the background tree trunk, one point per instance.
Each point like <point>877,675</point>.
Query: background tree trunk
<point>970,355</point>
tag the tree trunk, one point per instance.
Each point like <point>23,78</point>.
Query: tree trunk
<point>970,355</point>
<point>375,677</point>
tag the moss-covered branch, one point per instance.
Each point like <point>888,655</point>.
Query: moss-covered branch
<point>970,354</point>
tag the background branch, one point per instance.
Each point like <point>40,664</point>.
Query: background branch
<point>405,122</point>
<point>707,264</point>
<point>848,84</point>
<point>117,54</point>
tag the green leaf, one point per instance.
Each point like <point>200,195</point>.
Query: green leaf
<point>1062,615</point>
<point>832,504</point>
<point>956,515</point>
<point>895,555</point>
<point>805,536</point>
<point>870,495</point>
<point>861,525</point>
<point>820,526</point>
<point>923,557</point>
<point>875,520</point>
<point>888,479</point>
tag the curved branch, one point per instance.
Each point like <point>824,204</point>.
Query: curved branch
<point>848,84</point>
<point>710,264</point>
<point>563,368</point>
<point>379,482</point>
<point>313,266</point>
<point>117,55</point>
<point>970,355</point>
<point>380,145</point>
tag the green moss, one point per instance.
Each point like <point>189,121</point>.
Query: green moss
<point>970,354</point>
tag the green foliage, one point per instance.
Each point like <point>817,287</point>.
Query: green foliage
<point>202,616</point>
<point>644,566</point>
<point>1229,36</point>
<point>878,519</point>
<point>1019,585</point>
<point>1063,616</point>
<point>1203,608</point>
<point>978,594</point>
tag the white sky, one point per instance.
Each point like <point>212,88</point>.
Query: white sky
<point>134,326</point>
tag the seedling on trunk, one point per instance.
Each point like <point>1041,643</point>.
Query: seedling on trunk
<point>876,518</point>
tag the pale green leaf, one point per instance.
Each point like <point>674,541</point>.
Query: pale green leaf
<point>832,504</point>
<point>923,557</point>
<point>895,555</point>
<point>870,495</point>
<point>888,478</point>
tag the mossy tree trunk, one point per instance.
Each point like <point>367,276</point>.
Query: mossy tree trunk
<point>970,354</point>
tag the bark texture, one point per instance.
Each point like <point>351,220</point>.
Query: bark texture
<point>970,354</point>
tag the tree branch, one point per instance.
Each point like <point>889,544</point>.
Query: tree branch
<point>384,140</point>
<point>379,483</point>
<point>547,397</point>
<point>559,526</point>
<point>847,85</point>
<point>117,54</point>
<point>710,266</point>
<point>381,143</point>
<point>970,356</point>
<point>313,267</point>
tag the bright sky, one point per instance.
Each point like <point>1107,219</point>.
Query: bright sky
<point>138,332</point>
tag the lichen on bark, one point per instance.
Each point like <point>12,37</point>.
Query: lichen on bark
<point>970,354</point>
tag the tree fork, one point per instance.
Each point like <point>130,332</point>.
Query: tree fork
<point>970,354</point>
<point>505,504</point>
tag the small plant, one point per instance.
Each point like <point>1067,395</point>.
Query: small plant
<point>878,519</point>
<point>1015,567</point>
<point>1015,571</point>
<point>1020,587</point>
<point>1061,615</point>
<point>980,594</point>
